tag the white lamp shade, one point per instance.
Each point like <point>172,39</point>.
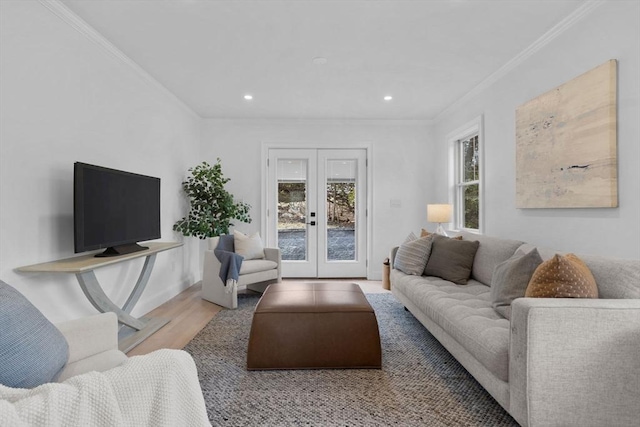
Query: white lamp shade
<point>439,213</point>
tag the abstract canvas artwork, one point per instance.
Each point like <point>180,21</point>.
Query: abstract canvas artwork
<point>566,144</point>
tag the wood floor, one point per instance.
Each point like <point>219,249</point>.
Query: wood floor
<point>189,314</point>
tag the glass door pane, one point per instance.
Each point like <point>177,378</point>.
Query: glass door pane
<point>342,226</point>
<point>341,210</point>
<point>292,209</point>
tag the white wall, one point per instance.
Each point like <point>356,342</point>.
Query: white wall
<point>399,163</point>
<point>65,99</point>
<point>611,31</point>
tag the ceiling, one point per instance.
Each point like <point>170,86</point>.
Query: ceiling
<point>426,54</point>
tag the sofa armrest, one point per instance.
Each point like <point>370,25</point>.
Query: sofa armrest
<point>575,362</point>
<point>91,335</point>
<point>274,254</point>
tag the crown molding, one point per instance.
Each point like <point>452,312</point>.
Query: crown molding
<point>325,121</point>
<point>576,16</point>
<point>78,24</point>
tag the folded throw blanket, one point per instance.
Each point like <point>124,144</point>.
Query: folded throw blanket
<point>230,262</point>
<point>159,389</point>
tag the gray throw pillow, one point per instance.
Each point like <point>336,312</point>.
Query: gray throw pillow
<point>510,279</point>
<point>412,256</point>
<point>451,259</point>
<point>32,350</point>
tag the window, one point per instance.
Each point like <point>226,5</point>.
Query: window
<point>466,179</point>
<point>468,186</point>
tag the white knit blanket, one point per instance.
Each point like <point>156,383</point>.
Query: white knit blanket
<point>159,389</point>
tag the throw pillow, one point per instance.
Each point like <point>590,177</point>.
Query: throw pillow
<point>451,259</point>
<point>250,247</point>
<point>32,350</point>
<point>411,237</point>
<point>510,279</point>
<point>563,276</point>
<point>412,256</point>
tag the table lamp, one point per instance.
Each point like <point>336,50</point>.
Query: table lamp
<point>439,213</point>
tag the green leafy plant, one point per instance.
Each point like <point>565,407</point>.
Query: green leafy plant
<point>211,206</point>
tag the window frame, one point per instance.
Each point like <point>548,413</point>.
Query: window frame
<point>457,184</point>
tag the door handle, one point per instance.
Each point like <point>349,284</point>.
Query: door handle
<point>312,223</point>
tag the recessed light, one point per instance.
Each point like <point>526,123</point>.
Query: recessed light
<point>388,98</point>
<point>248,97</point>
<point>319,60</point>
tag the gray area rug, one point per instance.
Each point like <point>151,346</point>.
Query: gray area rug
<point>420,382</point>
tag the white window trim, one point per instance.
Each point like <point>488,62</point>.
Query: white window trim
<point>453,138</point>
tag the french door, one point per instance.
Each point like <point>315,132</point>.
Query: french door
<point>316,211</point>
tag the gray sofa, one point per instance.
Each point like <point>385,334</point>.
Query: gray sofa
<point>559,361</point>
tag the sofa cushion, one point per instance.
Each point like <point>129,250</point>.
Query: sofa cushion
<point>465,313</point>
<point>491,252</point>
<point>32,350</point>
<point>451,259</point>
<point>412,256</point>
<point>510,280</point>
<point>563,276</point>
<point>616,278</point>
<point>255,265</point>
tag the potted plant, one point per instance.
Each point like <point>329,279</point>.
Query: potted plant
<point>211,206</point>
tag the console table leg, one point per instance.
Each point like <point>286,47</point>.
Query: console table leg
<point>94,293</point>
<point>141,284</point>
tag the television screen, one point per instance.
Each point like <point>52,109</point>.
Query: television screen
<point>114,209</point>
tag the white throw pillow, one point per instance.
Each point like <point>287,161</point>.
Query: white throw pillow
<point>250,247</point>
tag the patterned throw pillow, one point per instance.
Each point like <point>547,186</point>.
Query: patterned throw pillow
<point>562,277</point>
<point>411,237</point>
<point>32,350</point>
<point>510,279</point>
<point>412,256</point>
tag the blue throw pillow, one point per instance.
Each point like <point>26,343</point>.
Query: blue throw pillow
<point>32,350</point>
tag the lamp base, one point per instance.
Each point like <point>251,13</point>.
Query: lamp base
<point>441,231</point>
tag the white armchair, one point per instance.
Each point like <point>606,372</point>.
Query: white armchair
<point>255,274</point>
<point>96,383</point>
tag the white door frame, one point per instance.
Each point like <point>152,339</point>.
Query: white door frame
<point>266,146</point>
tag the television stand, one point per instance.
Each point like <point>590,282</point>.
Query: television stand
<point>121,250</point>
<point>133,330</point>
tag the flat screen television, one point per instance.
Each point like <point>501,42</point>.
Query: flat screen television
<point>114,209</point>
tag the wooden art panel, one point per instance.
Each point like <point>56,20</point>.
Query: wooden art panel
<point>566,144</point>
